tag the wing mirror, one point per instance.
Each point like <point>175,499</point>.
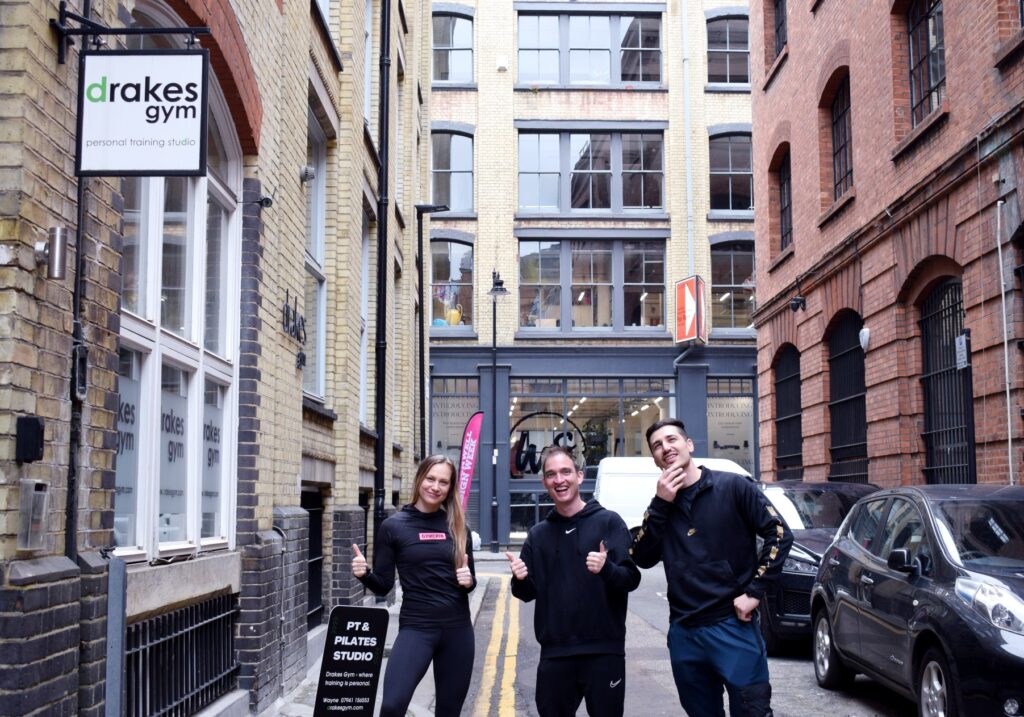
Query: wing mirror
<point>899,559</point>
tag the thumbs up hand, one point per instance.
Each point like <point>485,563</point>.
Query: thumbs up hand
<point>596,561</point>
<point>463,574</point>
<point>519,571</point>
<point>359,568</point>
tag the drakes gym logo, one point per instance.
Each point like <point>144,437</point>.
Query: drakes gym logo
<point>164,101</point>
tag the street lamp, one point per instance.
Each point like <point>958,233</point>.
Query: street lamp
<point>422,209</point>
<point>497,289</point>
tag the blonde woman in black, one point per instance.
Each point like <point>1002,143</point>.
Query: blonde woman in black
<point>428,543</point>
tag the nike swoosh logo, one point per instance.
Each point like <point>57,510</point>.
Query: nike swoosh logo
<point>615,683</point>
<point>569,530</point>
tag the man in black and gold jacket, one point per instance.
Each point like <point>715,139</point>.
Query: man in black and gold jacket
<point>703,525</point>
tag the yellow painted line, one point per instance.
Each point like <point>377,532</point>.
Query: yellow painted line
<point>490,671</point>
<point>507,701</point>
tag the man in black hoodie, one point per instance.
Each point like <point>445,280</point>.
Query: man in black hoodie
<point>576,564</point>
<point>703,525</point>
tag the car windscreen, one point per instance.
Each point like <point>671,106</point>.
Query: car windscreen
<point>984,533</point>
<point>807,508</point>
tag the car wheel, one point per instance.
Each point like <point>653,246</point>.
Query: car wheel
<point>936,689</point>
<point>772,642</point>
<point>829,668</point>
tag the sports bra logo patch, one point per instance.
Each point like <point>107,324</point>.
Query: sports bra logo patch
<point>433,536</point>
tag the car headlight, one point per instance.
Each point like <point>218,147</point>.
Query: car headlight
<point>799,561</point>
<point>1000,606</point>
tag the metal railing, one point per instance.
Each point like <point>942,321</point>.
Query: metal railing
<point>181,661</point>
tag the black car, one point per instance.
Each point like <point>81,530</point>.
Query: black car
<point>813,511</point>
<point>923,590</point>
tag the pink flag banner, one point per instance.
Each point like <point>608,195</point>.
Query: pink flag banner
<point>468,454</point>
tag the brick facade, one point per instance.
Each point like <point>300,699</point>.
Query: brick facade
<point>276,65</point>
<point>926,203</point>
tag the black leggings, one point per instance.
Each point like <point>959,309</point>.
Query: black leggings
<point>450,648</point>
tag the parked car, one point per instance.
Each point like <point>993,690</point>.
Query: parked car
<point>626,484</point>
<point>923,590</point>
<point>813,511</point>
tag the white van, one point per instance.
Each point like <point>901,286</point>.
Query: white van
<point>626,485</point>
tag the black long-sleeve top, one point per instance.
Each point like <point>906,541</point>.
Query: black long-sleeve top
<point>578,612</point>
<point>709,546</point>
<point>419,545</point>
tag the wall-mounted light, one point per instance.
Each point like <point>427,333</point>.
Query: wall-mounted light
<point>54,251</point>
<point>502,64</point>
<point>864,336</point>
<point>798,302</point>
<point>307,174</point>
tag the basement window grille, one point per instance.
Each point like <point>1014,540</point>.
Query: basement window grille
<point>181,661</point>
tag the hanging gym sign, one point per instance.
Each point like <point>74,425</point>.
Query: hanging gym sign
<point>143,113</point>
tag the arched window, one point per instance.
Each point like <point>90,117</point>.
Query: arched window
<point>728,50</point>
<point>948,392</point>
<point>453,49</point>
<point>789,440</point>
<point>179,343</point>
<point>846,408</point>
<point>842,140</point>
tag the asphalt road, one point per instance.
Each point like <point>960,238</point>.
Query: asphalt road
<point>506,664</point>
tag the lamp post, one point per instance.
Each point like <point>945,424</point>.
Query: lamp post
<point>422,209</point>
<point>497,289</point>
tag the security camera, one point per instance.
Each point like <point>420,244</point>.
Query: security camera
<point>797,302</point>
<point>265,202</point>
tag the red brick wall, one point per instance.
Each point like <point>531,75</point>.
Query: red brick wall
<point>923,208</point>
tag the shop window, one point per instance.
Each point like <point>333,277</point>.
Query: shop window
<point>592,285</point>
<point>730,411</point>
<point>728,50</point>
<point>452,171</point>
<point>601,50</point>
<point>451,284</point>
<point>453,49</point>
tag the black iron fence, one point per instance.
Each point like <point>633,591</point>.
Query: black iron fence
<point>181,661</point>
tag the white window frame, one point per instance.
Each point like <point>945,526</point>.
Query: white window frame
<point>156,346</point>
<point>316,316</point>
<point>364,323</point>
<point>368,61</point>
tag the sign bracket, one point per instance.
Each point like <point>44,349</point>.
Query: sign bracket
<point>91,28</point>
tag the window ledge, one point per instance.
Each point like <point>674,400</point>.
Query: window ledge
<point>317,407</point>
<point>454,86</point>
<point>931,122</point>
<point>731,215</point>
<point>453,332</point>
<point>367,432</point>
<point>1008,50</point>
<point>837,206</point>
<point>325,34</point>
<point>630,215</point>
<point>399,215</point>
<point>782,258</point>
<point>370,144</point>
<point>727,88</point>
<point>528,334</point>
<point>455,215</point>
<point>639,87</point>
<point>780,60</point>
<point>814,5</point>
<point>733,333</point>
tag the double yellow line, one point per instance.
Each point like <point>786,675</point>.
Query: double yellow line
<point>506,696</point>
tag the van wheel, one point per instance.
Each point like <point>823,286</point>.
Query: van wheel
<point>829,668</point>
